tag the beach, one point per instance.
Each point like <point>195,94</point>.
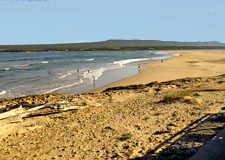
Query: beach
<point>67,72</point>
<point>199,63</point>
<point>170,109</point>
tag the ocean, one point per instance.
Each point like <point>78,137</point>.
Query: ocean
<point>24,74</point>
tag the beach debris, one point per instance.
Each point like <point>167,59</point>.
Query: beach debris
<point>15,113</point>
<point>192,100</point>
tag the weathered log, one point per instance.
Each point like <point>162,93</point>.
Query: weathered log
<point>8,107</point>
<point>17,114</point>
<point>200,89</point>
<point>210,88</point>
<point>48,110</point>
<point>12,113</point>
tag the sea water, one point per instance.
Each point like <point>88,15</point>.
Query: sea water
<point>24,74</point>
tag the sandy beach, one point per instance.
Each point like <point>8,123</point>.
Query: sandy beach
<point>199,63</point>
<point>135,118</point>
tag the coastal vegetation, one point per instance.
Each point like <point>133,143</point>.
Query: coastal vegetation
<point>125,136</point>
<point>173,96</point>
<point>112,45</point>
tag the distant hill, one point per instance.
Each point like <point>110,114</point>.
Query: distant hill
<point>114,45</point>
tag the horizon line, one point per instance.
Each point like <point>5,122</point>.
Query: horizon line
<point>77,42</point>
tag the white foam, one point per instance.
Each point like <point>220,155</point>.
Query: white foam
<point>90,59</point>
<point>164,57</point>
<point>96,73</point>
<point>29,64</point>
<point>44,62</point>
<point>158,52</point>
<point>22,65</point>
<point>5,69</point>
<point>70,85</point>
<point>123,62</point>
<point>3,92</point>
<point>174,54</point>
<point>66,75</point>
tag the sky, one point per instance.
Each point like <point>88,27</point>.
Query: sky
<point>61,21</point>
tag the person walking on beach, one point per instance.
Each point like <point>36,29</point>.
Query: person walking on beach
<point>94,80</point>
<point>78,71</point>
<point>139,68</point>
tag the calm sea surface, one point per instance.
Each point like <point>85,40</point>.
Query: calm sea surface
<point>57,72</point>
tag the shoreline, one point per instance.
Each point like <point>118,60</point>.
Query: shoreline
<point>109,72</point>
<point>185,65</point>
<point>151,120</point>
<point>190,63</point>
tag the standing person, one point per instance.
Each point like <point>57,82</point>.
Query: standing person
<point>94,81</point>
<point>49,72</point>
<point>78,71</point>
<point>139,68</point>
<point>161,60</point>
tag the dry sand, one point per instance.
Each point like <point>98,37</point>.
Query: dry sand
<point>170,119</point>
<point>193,63</point>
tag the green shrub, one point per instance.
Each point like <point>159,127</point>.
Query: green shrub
<point>125,136</point>
<point>158,113</point>
<point>129,153</point>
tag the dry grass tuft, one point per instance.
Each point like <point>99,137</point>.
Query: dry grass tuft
<point>171,97</point>
<point>125,136</point>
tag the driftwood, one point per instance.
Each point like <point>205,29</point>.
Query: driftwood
<point>12,114</point>
<point>8,107</point>
<point>200,89</point>
<point>214,88</point>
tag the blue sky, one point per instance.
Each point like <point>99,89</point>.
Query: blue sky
<point>55,21</point>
